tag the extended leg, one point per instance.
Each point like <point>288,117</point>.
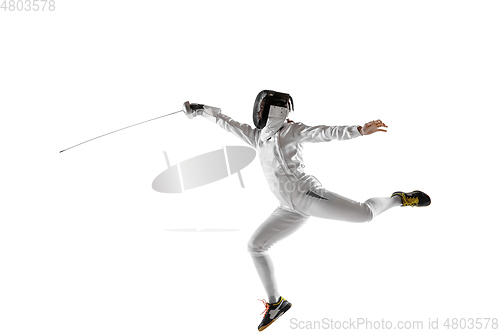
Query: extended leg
<point>380,205</point>
<point>329,205</point>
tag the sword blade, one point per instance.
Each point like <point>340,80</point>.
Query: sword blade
<point>100,136</point>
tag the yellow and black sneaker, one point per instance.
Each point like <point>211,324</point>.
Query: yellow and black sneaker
<point>273,312</point>
<point>413,199</point>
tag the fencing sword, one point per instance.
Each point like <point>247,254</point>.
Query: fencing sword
<point>142,122</point>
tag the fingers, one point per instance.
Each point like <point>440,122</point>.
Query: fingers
<point>377,123</point>
<point>374,126</point>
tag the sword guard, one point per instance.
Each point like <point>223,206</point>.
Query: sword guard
<point>192,110</point>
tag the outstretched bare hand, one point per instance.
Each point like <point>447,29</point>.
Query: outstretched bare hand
<point>372,127</point>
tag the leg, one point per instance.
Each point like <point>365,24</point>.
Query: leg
<point>279,225</point>
<point>325,204</point>
<point>380,205</point>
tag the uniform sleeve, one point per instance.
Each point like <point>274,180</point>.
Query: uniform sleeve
<point>323,133</point>
<point>245,132</point>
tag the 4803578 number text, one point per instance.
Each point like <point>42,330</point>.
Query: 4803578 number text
<point>28,5</point>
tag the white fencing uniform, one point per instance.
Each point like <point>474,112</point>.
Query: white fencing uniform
<point>300,195</point>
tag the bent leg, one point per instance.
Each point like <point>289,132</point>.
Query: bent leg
<point>279,225</point>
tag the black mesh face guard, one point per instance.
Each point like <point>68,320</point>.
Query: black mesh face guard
<point>264,100</point>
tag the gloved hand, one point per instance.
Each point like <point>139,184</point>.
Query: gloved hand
<point>193,110</point>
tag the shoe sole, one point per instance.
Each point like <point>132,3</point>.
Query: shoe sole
<point>285,309</point>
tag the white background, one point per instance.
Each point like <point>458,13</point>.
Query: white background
<point>84,245</point>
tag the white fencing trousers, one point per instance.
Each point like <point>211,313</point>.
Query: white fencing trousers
<point>284,221</point>
<point>280,224</point>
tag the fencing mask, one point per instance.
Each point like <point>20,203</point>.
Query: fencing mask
<point>270,111</point>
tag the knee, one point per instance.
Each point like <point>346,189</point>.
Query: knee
<point>256,249</point>
<point>369,212</point>
<point>363,213</point>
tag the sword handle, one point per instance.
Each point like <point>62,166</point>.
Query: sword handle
<point>192,110</point>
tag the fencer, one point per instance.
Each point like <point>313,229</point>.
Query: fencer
<point>279,144</point>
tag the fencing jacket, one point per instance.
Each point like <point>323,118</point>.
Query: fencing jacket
<point>281,155</point>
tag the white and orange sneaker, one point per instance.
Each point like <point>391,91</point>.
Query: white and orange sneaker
<point>273,311</point>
